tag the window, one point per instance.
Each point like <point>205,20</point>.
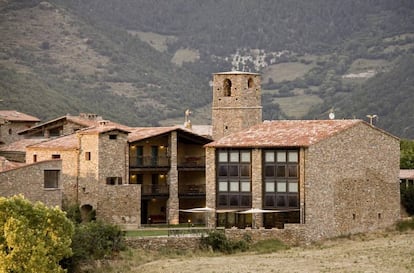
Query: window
<point>56,156</point>
<point>234,178</point>
<point>34,158</point>
<point>87,156</point>
<point>114,180</point>
<point>10,131</point>
<point>51,179</point>
<point>250,83</point>
<point>113,136</point>
<point>281,179</point>
<point>227,88</point>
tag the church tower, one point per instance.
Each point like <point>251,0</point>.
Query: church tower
<point>236,102</point>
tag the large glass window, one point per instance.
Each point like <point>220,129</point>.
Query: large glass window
<point>233,178</point>
<point>281,179</point>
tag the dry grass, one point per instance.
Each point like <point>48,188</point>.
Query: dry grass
<point>285,71</point>
<point>376,252</point>
<point>297,106</point>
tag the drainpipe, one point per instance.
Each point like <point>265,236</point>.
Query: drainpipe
<point>78,167</point>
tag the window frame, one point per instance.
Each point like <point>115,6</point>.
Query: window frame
<point>51,179</point>
<point>234,178</point>
<point>281,178</point>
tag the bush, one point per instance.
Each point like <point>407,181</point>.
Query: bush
<point>405,225</point>
<point>218,241</point>
<point>94,241</point>
<point>269,246</point>
<point>407,199</point>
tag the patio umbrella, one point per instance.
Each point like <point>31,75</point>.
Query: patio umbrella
<point>205,210</point>
<point>254,211</point>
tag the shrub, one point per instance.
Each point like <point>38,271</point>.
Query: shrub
<point>94,240</point>
<point>405,225</point>
<point>218,241</point>
<point>407,199</point>
<point>269,246</point>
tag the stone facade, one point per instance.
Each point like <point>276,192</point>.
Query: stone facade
<point>351,183</point>
<point>29,181</point>
<point>236,102</point>
<point>120,204</point>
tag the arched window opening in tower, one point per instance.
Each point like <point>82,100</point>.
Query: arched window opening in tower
<point>250,83</point>
<point>227,88</point>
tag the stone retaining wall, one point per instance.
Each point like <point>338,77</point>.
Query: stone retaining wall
<point>158,243</point>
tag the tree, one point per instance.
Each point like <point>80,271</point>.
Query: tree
<point>407,154</point>
<point>33,237</point>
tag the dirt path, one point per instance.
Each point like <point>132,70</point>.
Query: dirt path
<point>365,253</point>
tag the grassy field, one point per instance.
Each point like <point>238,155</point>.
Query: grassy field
<point>285,71</point>
<point>385,251</point>
<point>297,106</point>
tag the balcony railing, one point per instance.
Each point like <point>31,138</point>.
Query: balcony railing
<point>154,189</point>
<point>192,190</point>
<point>192,161</point>
<point>149,161</point>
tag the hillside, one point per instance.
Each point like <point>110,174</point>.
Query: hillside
<point>144,62</point>
<point>53,62</point>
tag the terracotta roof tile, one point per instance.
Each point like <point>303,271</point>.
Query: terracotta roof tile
<point>407,174</point>
<point>140,133</point>
<point>99,129</point>
<point>7,165</point>
<point>81,120</point>
<point>20,145</point>
<point>285,133</point>
<point>68,142</point>
<point>13,115</point>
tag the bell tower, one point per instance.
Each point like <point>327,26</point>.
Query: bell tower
<point>236,102</point>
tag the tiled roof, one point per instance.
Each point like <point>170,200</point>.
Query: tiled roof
<point>140,133</point>
<point>81,120</point>
<point>285,133</point>
<point>234,72</point>
<point>407,174</point>
<point>20,145</point>
<point>202,130</point>
<point>9,165</point>
<point>99,129</point>
<point>13,115</point>
<point>65,142</point>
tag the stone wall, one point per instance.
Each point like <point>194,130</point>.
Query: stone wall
<point>239,109</point>
<point>158,243</point>
<point>211,183</point>
<point>69,171</point>
<point>8,131</point>
<point>351,183</point>
<point>292,234</point>
<point>120,205</point>
<point>29,181</point>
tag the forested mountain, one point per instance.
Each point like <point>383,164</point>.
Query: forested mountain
<point>144,62</point>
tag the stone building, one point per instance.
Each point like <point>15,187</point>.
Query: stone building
<point>324,177</point>
<point>169,164</point>
<point>311,179</point>
<point>11,122</point>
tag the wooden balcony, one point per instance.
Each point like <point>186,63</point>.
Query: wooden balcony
<point>192,162</point>
<point>149,162</point>
<point>155,190</point>
<point>192,190</point>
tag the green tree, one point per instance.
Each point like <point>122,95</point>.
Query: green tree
<point>33,237</point>
<point>407,154</point>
